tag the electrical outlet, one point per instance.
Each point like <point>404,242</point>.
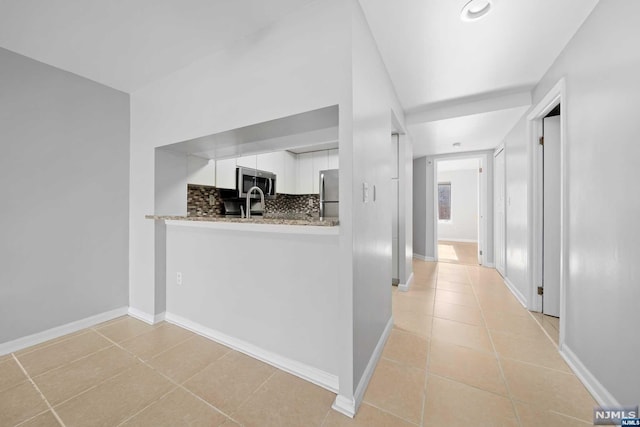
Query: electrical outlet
<point>179,278</point>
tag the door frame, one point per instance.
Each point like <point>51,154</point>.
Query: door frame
<point>483,199</point>
<point>555,96</point>
<point>500,150</point>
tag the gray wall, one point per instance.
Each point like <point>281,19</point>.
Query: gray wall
<point>419,205</point>
<point>601,65</point>
<point>64,185</point>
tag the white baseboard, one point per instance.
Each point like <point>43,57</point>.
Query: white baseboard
<point>404,287</point>
<point>146,317</point>
<point>424,258</point>
<point>349,406</point>
<point>521,299</point>
<point>58,331</point>
<point>304,371</point>
<point>458,240</point>
<point>597,390</point>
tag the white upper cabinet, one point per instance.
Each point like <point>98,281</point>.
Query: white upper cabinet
<point>320,162</point>
<point>287,184</point>
<point>226,173</point>
<point>273,162</point>
<point>304,184</point>
<point>201,171</point>
<point>334,159</point>
<point>247,161</point>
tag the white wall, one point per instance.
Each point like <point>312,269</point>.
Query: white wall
<point>601,66</point>
<point>279,295</point>
<point>373,100</point>
<point>301,63</point>
<point>517,206</point>
<point>64,191</point>
<point>463,225</point>
<point>420,206</point>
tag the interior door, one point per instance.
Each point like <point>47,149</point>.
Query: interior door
<point>551,217</point>
<point>499,212</point>
<point>395,242</point>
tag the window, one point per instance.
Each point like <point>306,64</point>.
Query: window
<point>444,201</point>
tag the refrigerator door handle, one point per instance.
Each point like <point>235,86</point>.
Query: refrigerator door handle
<point>321,195</point>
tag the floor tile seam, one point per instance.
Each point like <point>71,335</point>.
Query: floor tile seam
<point>558,371</point>
<point>65,365</point>
<point>545,409</point>
<point>326,416</point>
<point>57,340</point>
<point>500,368</point>
<point>426,379</point>
<point>32,418</point>
<point>181,386</point>
<point>399,362</point>
<point>147,406</point>
<point>386,411</point>
<point>53,411</point>
<point>172,347</point>
<point>456,320</point>
<point>235,411</point>
<point>557,346</point>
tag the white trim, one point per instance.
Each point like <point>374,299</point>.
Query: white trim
<point>146,317</point>
<point>404,287</point>
<point>424,258</point>
<point>349,406</point>
<point>516,293</point>
<point>557,95</point>
<point>597,390</point>
<point>306,372</point>
<point>443,239</point>
<point>58,331</point>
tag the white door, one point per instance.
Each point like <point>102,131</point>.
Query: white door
<point>395,242</point>
<point>499,212</point>
<point>551,217</point>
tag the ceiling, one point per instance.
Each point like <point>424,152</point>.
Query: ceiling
<point>458,81</point>
<point>126,44</point>
<point>433,57</point>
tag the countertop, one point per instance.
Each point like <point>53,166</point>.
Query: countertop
<point>276,220</point>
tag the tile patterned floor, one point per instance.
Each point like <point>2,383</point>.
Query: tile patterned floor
<point>458,252</point>
<point>463,352</point>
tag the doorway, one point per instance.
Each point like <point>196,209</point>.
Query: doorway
<point>547,149</point>
<point>550,146</point>
<point>458,220</point>
<point>499,211</point>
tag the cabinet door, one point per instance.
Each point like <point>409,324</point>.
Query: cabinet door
<point>320,163</point>
<point>273,162</point>
<point>201,171</point>
<point>305,174</point>
<point>334,159</point>
<point>288,184</point>
<point>226,173</point>
<point>247,161</point>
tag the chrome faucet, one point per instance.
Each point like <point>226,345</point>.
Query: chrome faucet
<point>248,210</point>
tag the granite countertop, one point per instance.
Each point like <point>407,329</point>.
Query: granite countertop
<point>280,219</point>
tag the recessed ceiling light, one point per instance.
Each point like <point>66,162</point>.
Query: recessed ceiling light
<point>475,9</point>
<point>456,145</point>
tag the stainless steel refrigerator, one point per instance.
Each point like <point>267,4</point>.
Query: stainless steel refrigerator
<point>329,193</point>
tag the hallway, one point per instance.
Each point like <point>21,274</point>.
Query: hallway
<point>465,352</point>
<point>458,252</point>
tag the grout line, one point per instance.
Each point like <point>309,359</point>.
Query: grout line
<point>386,411</point>
<point>426,368</point>
<point>53,411</point>
<point>31,418</point>
<point>497,357</point>
<point>53,342</point>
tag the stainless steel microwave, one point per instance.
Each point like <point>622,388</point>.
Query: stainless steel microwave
<point>246,178</point>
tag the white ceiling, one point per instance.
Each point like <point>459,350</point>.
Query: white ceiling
<point>433,56</point>
<point>436,61</point>
<point>127,44</point>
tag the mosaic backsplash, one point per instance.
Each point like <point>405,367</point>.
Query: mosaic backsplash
<point>204,200</point>
<point>287,204</point>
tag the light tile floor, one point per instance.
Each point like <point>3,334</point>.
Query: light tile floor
<point>463,352</point>
<point>458,252</point>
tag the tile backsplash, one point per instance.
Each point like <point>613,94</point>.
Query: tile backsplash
<point>204,200</point>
